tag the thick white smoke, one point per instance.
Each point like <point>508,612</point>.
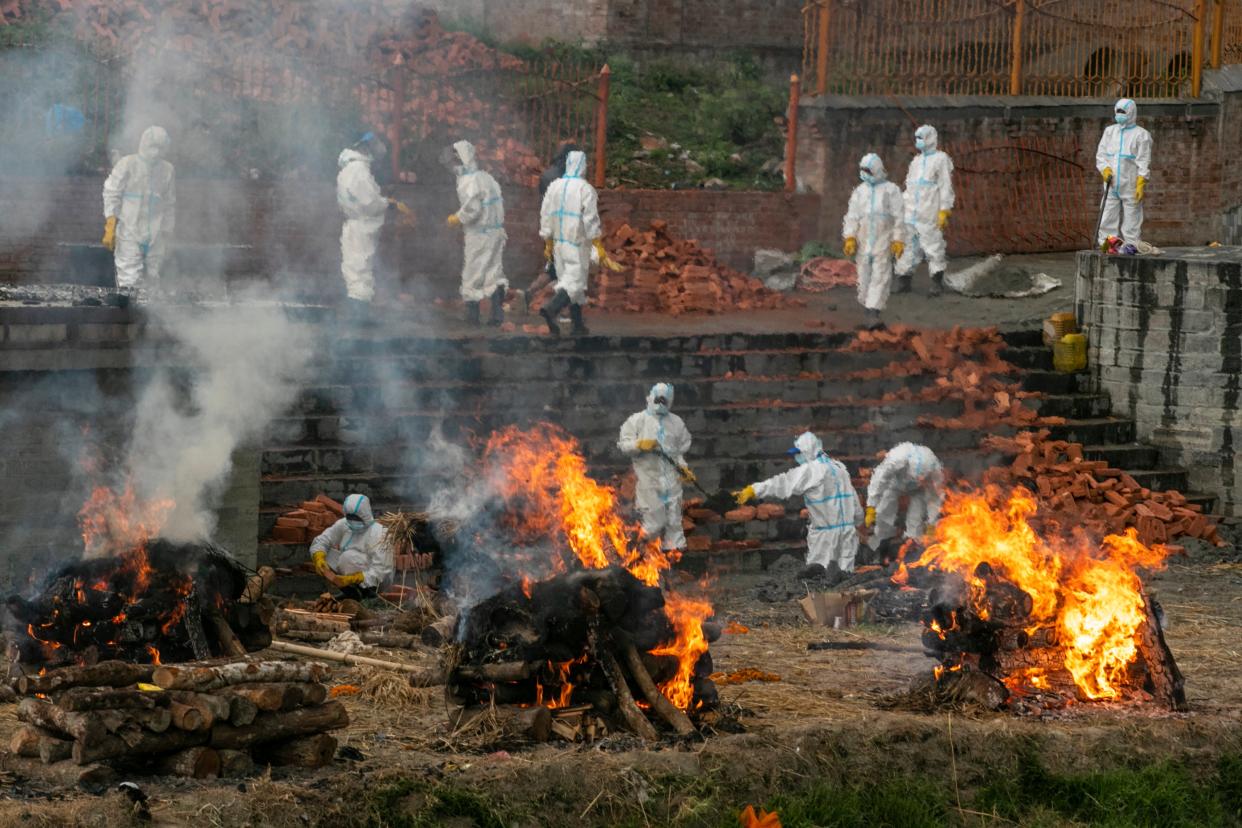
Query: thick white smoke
<point>237,369</point>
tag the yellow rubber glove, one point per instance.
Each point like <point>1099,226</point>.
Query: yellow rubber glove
<point>687,475</point>
<point>942,219</point>
<point>851,246</point>
<point>320,560</point>
<point>744,496</point>
<point>109,236</point>
<point>453,221</point>
<point>548,246</point>
<point>604,259</point>
<point>1107,174</point>
<point>647,445</point>
<point>349,580</point>
<point>869,519</point>
<point>1139,187</point>
<point>897,248</point>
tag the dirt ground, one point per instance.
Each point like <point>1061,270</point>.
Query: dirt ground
<point>821,721</point>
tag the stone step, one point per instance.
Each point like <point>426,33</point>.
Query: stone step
<point>1095,430</point>
<point>1072,406</point>
<point>1035,358</point>
<point>1124,455</point>
<point>1161,480</point>
<point>1024,338</point>
<point>1052,382</point>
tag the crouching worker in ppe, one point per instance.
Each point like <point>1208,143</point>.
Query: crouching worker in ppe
<point>915,472</point>
<point>482,219</point>
<point>874,234</point>
<point>353,554</point>
<point>929,201</point>
<point>570,228</point>
<point>656,441</point>
<point>140,200</point>
<point>834,512</point>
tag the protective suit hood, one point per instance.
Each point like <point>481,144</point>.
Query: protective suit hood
<point>660,389</point>
<point>930,137</point>
<point>874,165</point>
<point>349,156</point>
<point>1130,108</point>
<point>464,150</point>
<point>575,164</point>
<point>359,506</point>
<point>807,447</point>
<point>153,144</point>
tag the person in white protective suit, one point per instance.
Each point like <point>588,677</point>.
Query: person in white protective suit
<point>482,220</point>
<point>570,227</point>
<point>353,554</point>
<point>874,233</point>
<point>929,202</point>
<point>365,207</point>
<point>1123,159</point>
<point>911,470</point>
<point>656,441</point>
<point>140,201</point>
<point>834,511</point>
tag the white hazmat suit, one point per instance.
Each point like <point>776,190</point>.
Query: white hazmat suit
<point>482,217</point>
<point>1125,148</point>
<point>658,494</point>
<point>570,218</point>
<point>356,546</point>
<point>365,208</point>
<point>913,471</point>
<point>141,194</point>
<point>831,502</point>
<point>874,219</point>
<point>929,193</point>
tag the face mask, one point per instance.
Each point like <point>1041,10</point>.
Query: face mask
<point>355,524</point>
<point>800,459</point>
<point>920,144</point>
<point>150,155</point>
<point>660,408</point>
<point>1121,118</point>
<point>866,176</point>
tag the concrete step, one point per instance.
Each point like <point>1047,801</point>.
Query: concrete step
<point>1072,406</point>
<point>1034,358</point>
<point>1095,430</point>
<point>1052,382</point>
<point>1025,338</point>
<point>1124,455</point>
<point>1161,480</point>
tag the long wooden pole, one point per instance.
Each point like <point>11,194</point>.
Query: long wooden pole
<point>821,47</point>
<point>1218,32</point>
<point>791,138</point>
<point>1015,64</point>
<point>1196,49</point>
<point>347,658</point>
<point>601,127</point>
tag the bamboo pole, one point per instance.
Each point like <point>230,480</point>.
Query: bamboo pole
<point>791,138</point>
<point>1015,63</point>
<point>347,658</point>
<point>601,127</point>
<point>821,47</point>
<point>1218,32</point>
<point>1196,49</point>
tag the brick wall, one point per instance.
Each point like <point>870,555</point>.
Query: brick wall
<point>294,229</point>
<point>1164,344</point>
<point>1041,203</point>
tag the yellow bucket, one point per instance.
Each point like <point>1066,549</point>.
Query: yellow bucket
<point>1069,355</point>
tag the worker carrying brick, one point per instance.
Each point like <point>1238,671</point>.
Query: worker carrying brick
<point>353,554</point>
<point>570,227</point>
<point>834,512</point>
<point>912,471</point>
<point>1123,159</point>
<point>481,217</point>
<point>874,233</point>
<point>656,441</point>
<point>140,201</point>
<point>928,201</point>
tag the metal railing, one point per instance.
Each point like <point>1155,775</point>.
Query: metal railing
<point>1072,48</point>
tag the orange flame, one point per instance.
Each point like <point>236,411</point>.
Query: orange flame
<point>117,523</point>
<point>543,473</point>
<point>1089,592</point>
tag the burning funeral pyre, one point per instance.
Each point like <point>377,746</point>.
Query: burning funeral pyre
<point>585,627</point>
<point>1036,617</point>
<point>138,598</point>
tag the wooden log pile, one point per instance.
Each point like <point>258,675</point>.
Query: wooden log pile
<point>1073,491</point>
<point>197,720</point>
<point>573,659</point>
<point>662,273</point>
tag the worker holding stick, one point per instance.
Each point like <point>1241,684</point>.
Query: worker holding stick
<point>656,441</point>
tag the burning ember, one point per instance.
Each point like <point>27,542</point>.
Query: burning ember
<point>587,614</point>
<point>1043,612</point>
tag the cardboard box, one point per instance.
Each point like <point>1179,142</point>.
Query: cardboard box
<point>822,608</point>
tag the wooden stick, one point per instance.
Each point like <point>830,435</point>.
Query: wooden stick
<point>185,717</point>
<point>271,727</point>
<point>79,699</point>
<point>347,658</point>
<point>630,714</point>
<point>110,747</point>
<point>103,674</point>
<point>199,762</point>
<point>308,752</point>
<point>85,726</point>
<point>667,711</point>
<point>235,763</point>
<point>245,672</point>
<point>258,584</point>
<point>223,633</point>
<point>25,741</point>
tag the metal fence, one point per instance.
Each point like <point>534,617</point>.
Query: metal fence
<point>1087,48</point>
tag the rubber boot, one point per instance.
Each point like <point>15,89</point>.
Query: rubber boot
<point>498,307</point>
<point>472,313</point>
<point>904,283</point>
<point>575,315</point>
<point>873,323</point>
<point>551,310</point>
<point>937,284</point>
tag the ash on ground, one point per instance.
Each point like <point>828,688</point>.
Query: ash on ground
<point>790,578</point>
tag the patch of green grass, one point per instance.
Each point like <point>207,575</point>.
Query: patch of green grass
<point>405,803</point>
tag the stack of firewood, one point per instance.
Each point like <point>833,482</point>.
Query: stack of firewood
<point>196,720</point>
